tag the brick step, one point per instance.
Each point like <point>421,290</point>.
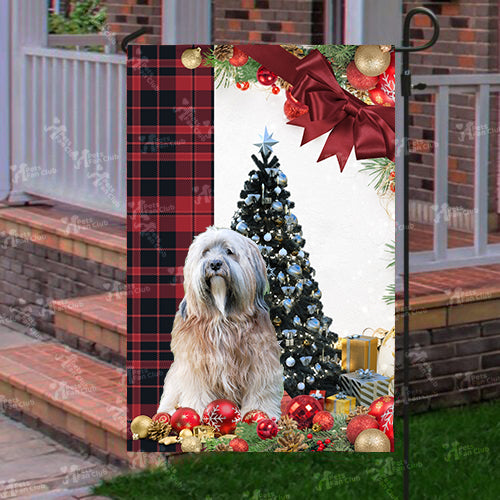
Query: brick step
<point>71,230</point>
<point>96,324</point>
<point>69,392</point>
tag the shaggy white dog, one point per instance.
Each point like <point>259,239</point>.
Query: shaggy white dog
<point>223,341</point>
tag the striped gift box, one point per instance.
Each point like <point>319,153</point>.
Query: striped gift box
<point>364,385</point>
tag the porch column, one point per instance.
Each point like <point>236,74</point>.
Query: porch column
<point>369,22</point>
<point>4,100</point>
<point>186,21</point>
<point>28,27</point>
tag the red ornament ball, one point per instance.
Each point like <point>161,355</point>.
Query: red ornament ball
<point>387,81</point>
<point>359,424</point>
<point>238,444</point>
<point>222,415</point>
<point>242,85</point>
<point>266,77</point>
<point>302,409</point>
<point>386,424</point>
<point>254,416</point>
<point>293,108</point>
<point>379,97</point>
<point>379,406</point>
<point>267,428</point>
<point>239,58</point>
<point>275,89</point>
<point>324,419</point>
<point>184,418</point>
<point>164,418</point>
<point>358,80</point>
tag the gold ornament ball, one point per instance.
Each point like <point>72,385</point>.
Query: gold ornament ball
<point>372,440</point>
<point>192,444</point>
<point>191,58</point>
<point>139,427</point>
<point>185,433</point>
<point>370,60</point>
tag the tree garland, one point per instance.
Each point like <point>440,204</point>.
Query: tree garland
<point>248,432</point>
<point>339,56</point>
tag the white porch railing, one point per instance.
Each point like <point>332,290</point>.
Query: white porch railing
<point>68,118</point>
<point>442,257</point>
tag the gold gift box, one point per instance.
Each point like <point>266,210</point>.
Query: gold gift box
<point>343,405</point>
<point>359,351</point>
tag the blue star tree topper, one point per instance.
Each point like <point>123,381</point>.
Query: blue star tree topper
<point>266,146</point>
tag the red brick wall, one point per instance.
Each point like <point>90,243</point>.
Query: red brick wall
<point>127,16</point>
<point>468,43</point>
<point>268,21</point>
<point>450,366</point>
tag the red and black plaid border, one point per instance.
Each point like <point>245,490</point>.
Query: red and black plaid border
<point>170,113</point>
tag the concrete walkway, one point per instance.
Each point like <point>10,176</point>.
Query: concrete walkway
<point>31,464</point>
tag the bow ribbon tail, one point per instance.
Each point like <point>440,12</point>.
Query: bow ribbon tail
<point>374,134</point>
<point>340,142</point>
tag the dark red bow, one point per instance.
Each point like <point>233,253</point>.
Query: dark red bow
<point>370,129</point>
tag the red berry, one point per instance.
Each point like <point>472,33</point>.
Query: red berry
<point>392,186</point>
<point>309,436</point>
<point>319,443</point>
<point>275,89</point>
<point>392,174</point>
<point>328,441</point>
<point>242,85</point>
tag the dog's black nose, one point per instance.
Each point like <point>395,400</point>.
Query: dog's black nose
<point>215,265</point>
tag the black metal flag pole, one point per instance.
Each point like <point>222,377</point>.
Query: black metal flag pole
<point>406,87</point>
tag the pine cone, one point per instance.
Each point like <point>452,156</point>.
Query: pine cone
<point>286,423</point>
<point>293,49</point>
<point>223,52</point>
<point>291,442</point>
<point>283,84</point>
<point>223,447</point>
<point>362,95</point>
<point>158,430</point>
<point>359,410</point>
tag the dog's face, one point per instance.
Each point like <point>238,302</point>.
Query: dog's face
<point>224,274</point>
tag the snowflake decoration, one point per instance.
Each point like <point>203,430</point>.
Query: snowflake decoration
<point>387,418</point>
<point>388,86</point>
<point>237,415</point>
<point>214,418</point>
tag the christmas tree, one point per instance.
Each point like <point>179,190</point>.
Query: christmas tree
<point>308,355</point>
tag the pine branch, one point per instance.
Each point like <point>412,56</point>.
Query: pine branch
<point>390,297</point>
<point>380,170</point>
<point>390,248</point>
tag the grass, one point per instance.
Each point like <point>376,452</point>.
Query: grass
<point>454,454</point>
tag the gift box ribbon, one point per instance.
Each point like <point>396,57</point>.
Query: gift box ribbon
<point>317,394</point>
<point>370,129</point>
<point>365,374</point>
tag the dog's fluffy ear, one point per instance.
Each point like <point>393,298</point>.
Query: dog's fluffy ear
<point>183,308</point>
<point>261,283</point>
